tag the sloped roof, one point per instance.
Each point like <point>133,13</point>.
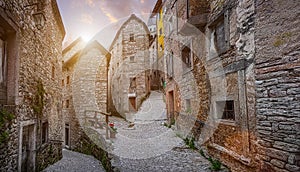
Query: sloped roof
<point>58,18</point>
<point>156,7</point>
<point>90,45</point>
<point>132,17</point>
<point>69,47</point>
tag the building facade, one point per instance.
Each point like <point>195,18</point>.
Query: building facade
<point>73,56</point>
<point>128,72</point>
<point>234,104</point>
<point>30,91</point>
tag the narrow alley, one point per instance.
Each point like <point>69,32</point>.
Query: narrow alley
<point>151,146</point>
<point>145,144</point>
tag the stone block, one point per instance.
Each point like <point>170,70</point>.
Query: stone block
<point>277,163</point>
<point>278,154</point>
<point>292,168</point>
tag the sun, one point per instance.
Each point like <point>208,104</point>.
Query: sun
<point>86,37</point>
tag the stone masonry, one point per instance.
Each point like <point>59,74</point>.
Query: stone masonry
<point>277,84</point>
<point>32,90</point>
<point>128,72</point>
<point>244,63</point>
<point>75,56</point>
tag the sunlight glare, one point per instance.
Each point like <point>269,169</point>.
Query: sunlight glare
<point>86,37</point>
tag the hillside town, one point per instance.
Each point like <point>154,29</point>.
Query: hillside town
<point>201,85</point>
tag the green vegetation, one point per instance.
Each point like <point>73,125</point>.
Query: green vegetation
<point>190,142</point>
<point>171,123</point>
<point>38,104</point>
<point>282,39</point>
<point>215,164</point>
<point>5,118</point>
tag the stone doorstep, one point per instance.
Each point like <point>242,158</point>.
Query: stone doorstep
<point>240,158</point>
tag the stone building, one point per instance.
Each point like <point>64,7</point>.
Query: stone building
<point>73,56</point>
<point>154,77</point>
<point>158,14</point>
<point>243,57</point>
<point>31,36</point>
<point>128,72</point>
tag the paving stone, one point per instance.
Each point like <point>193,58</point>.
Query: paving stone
<point>150,146</point>
<point>76,162</point>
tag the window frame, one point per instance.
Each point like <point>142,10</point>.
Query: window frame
<point>187,66</point>
<point>224,19</point>
<point>45,133</point>
<point>170,65</point>
<point>221,109</point>
<point>131,37</point>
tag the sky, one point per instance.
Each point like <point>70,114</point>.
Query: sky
<point>99,19</point>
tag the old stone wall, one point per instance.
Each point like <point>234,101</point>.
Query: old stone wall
<point>74,120</point>
<point>222,46</point>
<point>128,66</point>
<point>35,57</point>
<point>277,84</point>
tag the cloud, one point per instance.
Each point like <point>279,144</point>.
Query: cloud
<point>109,15</point>
<point>90,3</point>
<point>120,9</point>
<point>86,18</point>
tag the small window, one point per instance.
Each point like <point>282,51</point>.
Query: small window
<point>68,80</point>
<point>45,127</point>
<point>219,36</point>
<point>186,57</point>
<point>53,72</point>
<point>170,65</point>
<point>3,62</point>
<point>133,82</point>
<point>160,31</point>
<point>63,82</point>
<point>161,47</point>
<point>188,105</point>
<point>131,37</point>
<point>67,103</point>
<point>131,58</point>
<point>226,109</point>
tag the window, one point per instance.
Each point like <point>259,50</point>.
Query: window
<point>3,62</point>
<point>131,58</point>
<point>68,79</point>
<point>63,82</point>
<point>161,47</point>
<point>160,31</point>
<point>53,72</point>
<point>186,57</point>
<point>8,59</point>
<point>133,82</point>
<point>188,105</point>
<point>3,72</point>
<point>226,109</point>
<point>67,104</point>
<point>170,65</point>
<point>131,37</point>
<point>45,127</point>
<point>219,36</point>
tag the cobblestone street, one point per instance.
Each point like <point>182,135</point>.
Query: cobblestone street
<point>76,162</point>
<point>150,146</point>
<point>147,145</point>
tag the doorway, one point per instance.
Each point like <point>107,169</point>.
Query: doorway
<point>171,110</point>
<point>67,135</point>
<point>132,103</point>
<point>27,146</point>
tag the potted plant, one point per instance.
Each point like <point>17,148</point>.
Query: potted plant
<point>113,130</point>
